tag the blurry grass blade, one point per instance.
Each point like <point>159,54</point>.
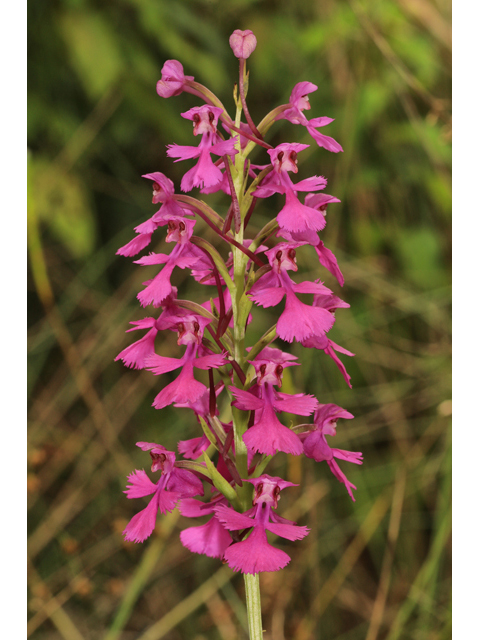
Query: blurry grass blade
<point>141,576</point>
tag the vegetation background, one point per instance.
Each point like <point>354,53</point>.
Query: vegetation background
<point>376,568</point>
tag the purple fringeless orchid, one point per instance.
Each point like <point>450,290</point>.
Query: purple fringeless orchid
<point>229,379</point>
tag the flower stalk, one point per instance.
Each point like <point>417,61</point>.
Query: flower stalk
<point>254,606</point>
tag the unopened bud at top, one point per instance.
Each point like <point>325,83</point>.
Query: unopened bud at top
<point>243,43</point>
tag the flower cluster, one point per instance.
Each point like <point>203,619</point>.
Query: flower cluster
<point>239,498</point>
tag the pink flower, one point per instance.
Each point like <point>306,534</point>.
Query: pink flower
<point>184,255</point>
<point>173,81</point>
<point>267,434</point>
<point>315,444</point>
<point>298,103</point>
<point>173,484</point>
<point>243,43</point>
<point>210,539</point>
<point>294,216</point>
<point>185,388</point>
<point>135,354</point>
<point>163,191</point>
<point>204,173</point>
<point>254,554</point>
<point>270,363</point>
<point>298,321</point>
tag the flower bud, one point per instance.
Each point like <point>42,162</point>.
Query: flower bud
<point>243,43</point>
<point>173,80</point>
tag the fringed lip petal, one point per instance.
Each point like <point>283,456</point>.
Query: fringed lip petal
<point>295,216</point>
<point>300,321</point>
<point>203,174</point>
<point>255,555</point>
<point>184,389</point>
<point>268,435</point>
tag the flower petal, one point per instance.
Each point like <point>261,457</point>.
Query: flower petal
<point>140,485</point>
<point>300,321</point>
<point>184,389</point>
<point>143,523</point>
<point>185,483</point>
<point>300,404</point>
<point>268,435</point>
<point>255,554</point>
<point>245,400</point>
<point>232,520</point>
<point>209,539</point>
<point>134,355</point>
<point>288,531</point>
<point>136,245</point>
<point>295,216</point>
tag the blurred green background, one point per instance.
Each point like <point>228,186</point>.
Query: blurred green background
<point>377,568</point>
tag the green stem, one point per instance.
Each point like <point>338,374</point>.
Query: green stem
<point>254,608</point>
<point>241,306</point>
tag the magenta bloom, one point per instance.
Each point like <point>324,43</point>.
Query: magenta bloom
<point>163,191</point>
<point>173,81</point>
<point>255,554</point>
<point>299,102</point>
<point>134,355</point>
<point>210,539</point>
<point>185,388</point>
<point>294,216</point>
<point>267,434</point>
<point>184,255</point>
<point>315,444</point>
<point>173,484</point>
<point>204,173</point>
<point>298,321</point>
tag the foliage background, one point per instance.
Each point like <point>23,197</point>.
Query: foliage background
<point>379,568</point>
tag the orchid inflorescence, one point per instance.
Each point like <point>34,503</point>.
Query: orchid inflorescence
<point>214,332</point>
